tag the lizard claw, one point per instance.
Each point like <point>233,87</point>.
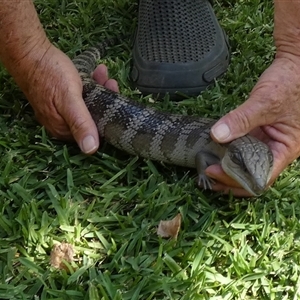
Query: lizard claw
<point>205,182</point>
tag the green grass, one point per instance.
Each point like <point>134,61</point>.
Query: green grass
<point>109,205</point>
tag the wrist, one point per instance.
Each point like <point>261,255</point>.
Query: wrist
<point>286,28</point>
<point>24,65</point>
<point>22,38</point>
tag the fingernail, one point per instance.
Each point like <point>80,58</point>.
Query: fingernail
<point>221,132</point>
<point>88,144</point>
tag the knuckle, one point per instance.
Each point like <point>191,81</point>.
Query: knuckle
<point>77,124</point>
<point>241,118</point>
<point>55,126</point>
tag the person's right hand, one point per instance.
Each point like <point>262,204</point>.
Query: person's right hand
<point>47,76</point>
<point>53,87</point>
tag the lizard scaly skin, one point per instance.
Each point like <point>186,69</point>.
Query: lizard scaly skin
<point>170,138</point>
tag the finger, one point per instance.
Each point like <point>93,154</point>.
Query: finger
<point>216,172</point>
<point>281,159</point>
<point>60,131</point>
<point>112,84</point>
<point>237,192</point>
<point>81,124</point>
<point>101,74</point>
<point>225,184</point>
<point>239,121</point>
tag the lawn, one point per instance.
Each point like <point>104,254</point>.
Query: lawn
<point>108,206</point>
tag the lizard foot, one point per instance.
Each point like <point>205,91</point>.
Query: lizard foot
<point>205,182</point>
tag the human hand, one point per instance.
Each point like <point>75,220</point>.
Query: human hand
<point>47,76</point>
<point>271,113</point>
<point>54,89</point>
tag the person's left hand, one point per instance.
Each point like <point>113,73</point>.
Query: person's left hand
<point>271,113</point>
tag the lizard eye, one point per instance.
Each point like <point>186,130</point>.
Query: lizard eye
<point>237,158</point>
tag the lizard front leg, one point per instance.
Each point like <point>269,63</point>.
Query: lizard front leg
<point>204,159</point>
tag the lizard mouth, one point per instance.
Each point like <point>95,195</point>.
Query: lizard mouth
<point>249,162</point>
<point>245,180</point>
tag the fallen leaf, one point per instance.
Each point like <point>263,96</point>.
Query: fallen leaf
<point>169,228</point>
<point>60,252</point>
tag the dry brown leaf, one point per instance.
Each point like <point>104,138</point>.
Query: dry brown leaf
<point>60,252</point>
<point>169,228</point>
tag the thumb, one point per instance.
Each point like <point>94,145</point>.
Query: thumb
<point>240,121</point>
<point>81,125</point>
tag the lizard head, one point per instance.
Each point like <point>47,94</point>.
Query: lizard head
<point>249,162</point>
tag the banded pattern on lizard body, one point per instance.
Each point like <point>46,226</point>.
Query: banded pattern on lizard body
<point>170,138</point>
